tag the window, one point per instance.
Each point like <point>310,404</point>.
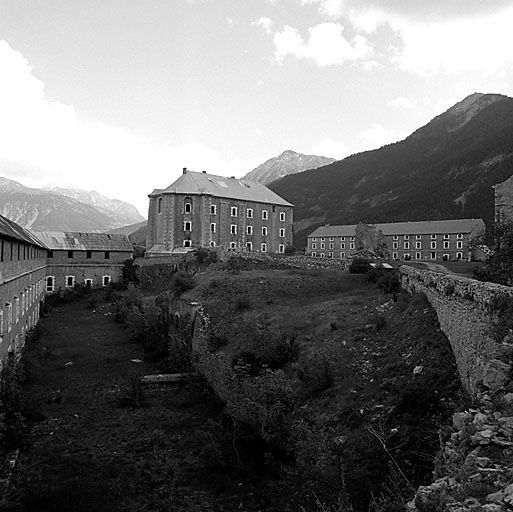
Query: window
<point>8,305</point>
<point>433,237</point>
<point>446,245</point>
<point>187,226</point>
<point>263,247</point>
<point>264,214</point>
<point>212,227</point>
<point>159,205</point>
<point>314,245</point>
<point>433,245</point>
<point>281,248</point>
<point>323,245</point>
<point>274,208</point>
<point>330,246</point>
<point>406,245</point>
<point>417,256</point>
<point>342,238</point>
<point>394,255</point>
<point>351,245</point>
<point>330,255</point>
<point>187,208</point>
<point>70,281</point>
<point>212,244</point>
<point>446,237</point>
<point>50,284</point>
<point>282,216</point>
<point>314,239</point>
<point>406,237</point>
<point>342,245</point>
<point>89,254</point>
<point>249,230</point>
<point>88,282</point>
<point>446,257</point>
<point>233,246</point>
<point>459,256</point>
<point>282,233</point>
<point>459,244</point>
<point>322,239</point>
<point>1,324</point>
<point>406,257</point>
<point>314,254</point>
<point>70,254</point>
<point>331,239</point>
<point>249,213</point>
<point>395,245</point>
<point>433,255</point>
<point>233,211</point>
<point>249,246</point>
<point>50,254</point>
<point>418,237</point>
<point>418,245</point>
<point>459,236</point>
<point>395,237</point>
<point>213,209</point>
<point>264,231</point>
<point>342,254</point>
<point>322,255</point>
<point>351,238</point>
<point>233,229</point>
<point>107,255</point>
<point>187,243</point>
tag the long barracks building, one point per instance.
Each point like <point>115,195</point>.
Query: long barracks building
<point>424,240</point>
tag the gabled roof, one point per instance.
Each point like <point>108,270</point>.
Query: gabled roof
<point>80,241</point>
<point>201,183</point>
<point>9,229</point>
<point>425,227</point>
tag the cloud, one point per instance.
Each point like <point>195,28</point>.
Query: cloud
<point>45,142</point>
<point>330,148</point>
<point>332,9</point>
<point>263,23</point>
<point>326,45</point>
<point>377,136</point>
<point>402,102</point>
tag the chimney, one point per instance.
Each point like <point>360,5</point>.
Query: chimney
<point>184,170</point>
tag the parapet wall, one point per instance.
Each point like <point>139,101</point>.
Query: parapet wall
<point>462,307</point>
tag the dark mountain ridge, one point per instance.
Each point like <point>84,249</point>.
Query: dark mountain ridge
<point>444,170</point>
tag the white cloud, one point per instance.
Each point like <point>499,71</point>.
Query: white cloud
<point>332,9</point>
<point>46,143</point>
<point>264,23</point>
<point>377,136</point>
<point>330,148</point>
<point>325,45</point>
<point>401,101</point>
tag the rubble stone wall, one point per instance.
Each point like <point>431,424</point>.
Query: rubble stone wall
<point>462,307</point>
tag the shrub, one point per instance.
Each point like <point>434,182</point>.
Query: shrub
<point>182,281</point>
<point>359,266</point>
<point>205,256</point>
<point>390,282</point>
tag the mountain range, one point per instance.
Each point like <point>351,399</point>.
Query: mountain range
<point>63,209</point>
<point>289,162</point>
<point>444,170</point>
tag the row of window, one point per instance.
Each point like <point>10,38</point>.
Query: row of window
<point>89,254</point>
<point>19,306</point>
<point>70,282</point>
<point>433,236</point>
<point>331,245</point>
<point>187,226</point>
<point>418,245</point>
<point>234,212</point>
<point>233,246</point>
<point>10,251</point>
<point>395,255</point>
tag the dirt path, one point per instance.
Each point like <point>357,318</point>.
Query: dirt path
<point>94,452</point>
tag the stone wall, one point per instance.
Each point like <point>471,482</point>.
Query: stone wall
<point>462,307</point>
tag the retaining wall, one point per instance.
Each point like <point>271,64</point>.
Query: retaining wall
<point>462,307</point>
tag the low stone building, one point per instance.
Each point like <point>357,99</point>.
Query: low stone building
<point>424,240</point>
<point>22,285</point>
<point>91,259</point>
<point>204,210</point>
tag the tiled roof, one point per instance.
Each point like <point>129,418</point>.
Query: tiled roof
<point>200,183</point>
<point>10,229</point>
<point>425,227</point>
<point>80,241</point>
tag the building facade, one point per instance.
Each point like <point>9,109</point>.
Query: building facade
<point>204,210</point>
<point>503,195</point>
<point>89,259</point>
<point>442,240</point>
<point>22,280</point>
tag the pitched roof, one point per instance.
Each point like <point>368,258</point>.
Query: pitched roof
<point>201,183</point>
<point>424,227</point>
<point>80,241</point>
<point>10,229</point>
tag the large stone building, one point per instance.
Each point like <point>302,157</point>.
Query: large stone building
<point>203,210</point>
<point>91,259</point>
<point>22,285</point>
<point>425,240</point>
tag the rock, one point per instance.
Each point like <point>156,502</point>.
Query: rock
<point>418,370</point>
<point>480,419</point>
<point>496,374</point>
<point>495,497</point>
<point>460,419</point>
<point>508,397</point>
<point>492,507</point>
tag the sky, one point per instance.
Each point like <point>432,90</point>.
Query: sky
<point>119,95</point>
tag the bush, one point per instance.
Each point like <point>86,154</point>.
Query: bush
<point>359,266</point>
<point>182,281</point>
<point>205,256</point>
